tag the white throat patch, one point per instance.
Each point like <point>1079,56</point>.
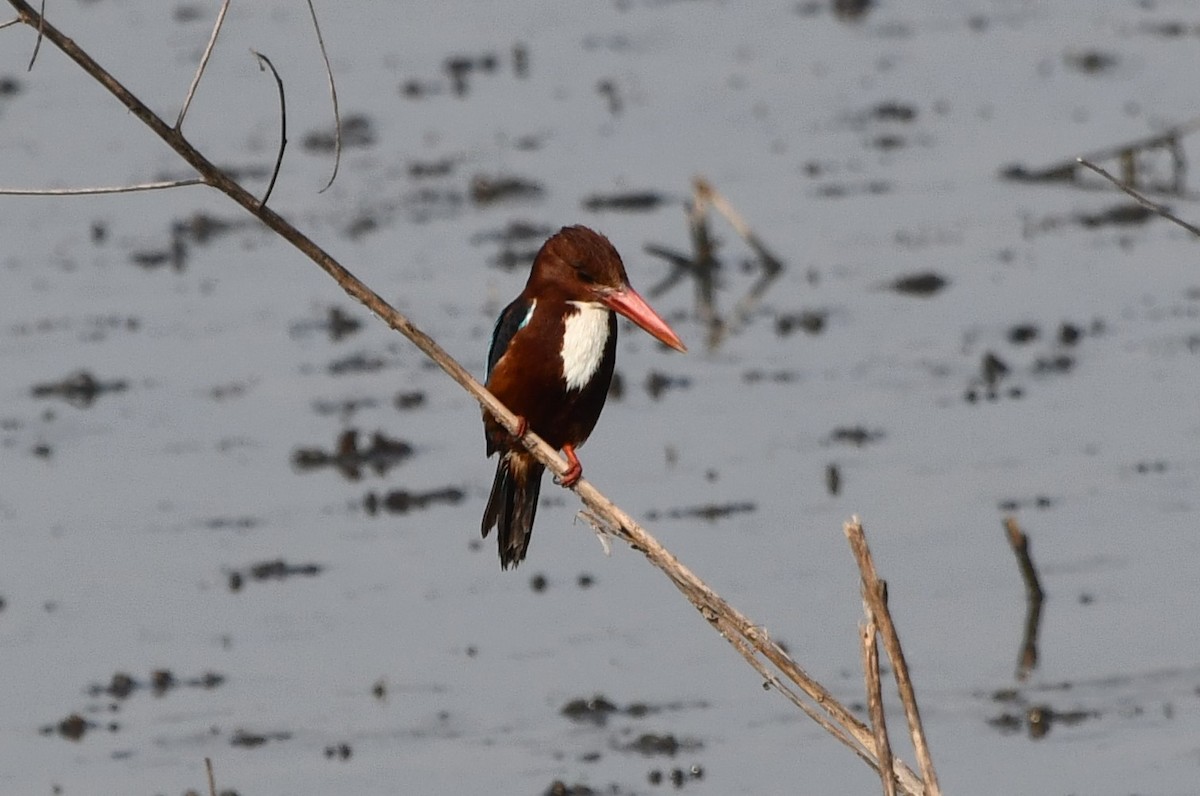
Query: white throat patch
<point>583,343</point>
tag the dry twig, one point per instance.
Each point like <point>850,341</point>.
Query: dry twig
<point>1141,198</point>
<point>212,42</point>
<point>145,186</point>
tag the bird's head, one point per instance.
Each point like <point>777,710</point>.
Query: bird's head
<point>582,265</point>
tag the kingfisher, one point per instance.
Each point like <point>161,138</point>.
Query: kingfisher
<point>551,362</point>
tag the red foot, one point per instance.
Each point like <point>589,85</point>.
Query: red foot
<point>575,471</point>
<point>522,426</point>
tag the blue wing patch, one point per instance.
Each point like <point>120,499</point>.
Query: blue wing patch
<point>516,316</point>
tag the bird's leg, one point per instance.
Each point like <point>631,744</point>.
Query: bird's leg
<point>575,471</point>
<point>522,427</point>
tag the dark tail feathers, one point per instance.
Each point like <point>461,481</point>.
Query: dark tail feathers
<point>513,505</point>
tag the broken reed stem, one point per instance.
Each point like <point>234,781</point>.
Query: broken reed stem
<point>212,780</point>
<point>734,626</point>
<point>1141,198</point>
<point>1019,543</point>
<point>1027,659</point>
<point>875,595</point>
<point>868,631</point>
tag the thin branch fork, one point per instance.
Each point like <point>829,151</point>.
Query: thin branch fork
<point>735,627</point>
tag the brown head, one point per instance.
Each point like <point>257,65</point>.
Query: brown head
<point>581,265</point>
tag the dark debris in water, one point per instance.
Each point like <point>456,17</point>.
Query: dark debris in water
<point>338,751</point>
<point>402,501</point>
<point>628,202</point>
<point>337,323</point>
<point>840,190</point>
<point>426,169</point>
<point>1121,214</point>
<point>998,377</point>
<point>1091,62</point>
<point>9,86</point>
<point>349,458</point>
<point>709,511</point>
<point>88,329</point>
<point>356,363</point>
<point>161,681</point>
<point>598,709</point>
<point>343,408</point>
<point>923,284</point>
<point>657,383</point>
<point>1039,502</point>
<point>1155,467</point>
<point>79,389</point>
<point>756,376</point>
<point>516,231</point>
<point>1038,720</point>
<point>227,523</point>
<point>460,69</point>
<point>72,727</point>
<point>275,569</point>
<point>357,133</point>
<point>487,190</point>
<point>653,744</point>
<point>409,399</point>
<point>252,740</point>
<point>676,776</point>
<point>595,710</point>
<point>198,229</point>
<point>858,436</point>
<point>560,788</point>
<point>811,321</point>
<point>122,686</point>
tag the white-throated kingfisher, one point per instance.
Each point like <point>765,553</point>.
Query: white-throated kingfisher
<point>551,362</point>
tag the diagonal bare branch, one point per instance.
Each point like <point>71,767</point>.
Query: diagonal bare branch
<point>208,49</point>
